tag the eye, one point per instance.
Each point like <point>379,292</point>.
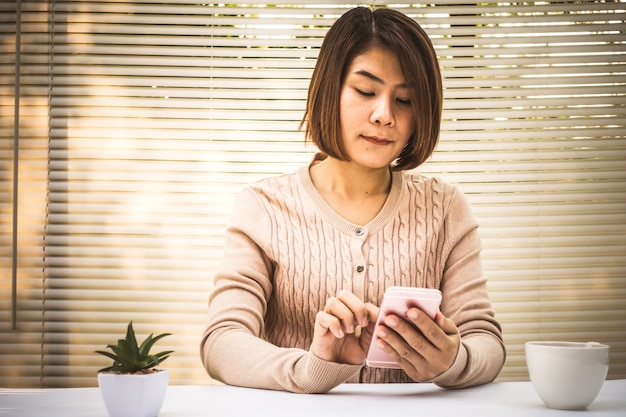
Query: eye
<point>404,101</point>
<point>364,93</point>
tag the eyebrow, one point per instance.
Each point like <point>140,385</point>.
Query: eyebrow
<point>377,79</point>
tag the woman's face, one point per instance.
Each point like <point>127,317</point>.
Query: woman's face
<point>375,110</point>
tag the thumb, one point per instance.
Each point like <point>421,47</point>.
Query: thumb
<point>445,323</point>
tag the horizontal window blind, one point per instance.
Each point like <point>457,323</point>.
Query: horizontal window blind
<point>21,349</point>
<point>140,121</point>
<point>534,133</point>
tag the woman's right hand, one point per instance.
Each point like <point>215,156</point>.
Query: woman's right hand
<point>343,330</point>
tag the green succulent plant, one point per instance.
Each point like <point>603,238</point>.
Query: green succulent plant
<point>130,357</point>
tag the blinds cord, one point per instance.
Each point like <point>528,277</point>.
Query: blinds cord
<point>16,151</point>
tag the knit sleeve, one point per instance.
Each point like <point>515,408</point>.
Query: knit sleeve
<point>232,348</point>
<point>466,301</point>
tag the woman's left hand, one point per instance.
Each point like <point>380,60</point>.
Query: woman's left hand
<point>423,347</point>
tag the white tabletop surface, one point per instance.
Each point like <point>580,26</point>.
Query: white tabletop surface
<point>501,399</point>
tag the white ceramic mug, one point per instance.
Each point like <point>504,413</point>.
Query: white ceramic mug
<point>567,375</point>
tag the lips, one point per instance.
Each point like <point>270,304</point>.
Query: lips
<point>377,140</point>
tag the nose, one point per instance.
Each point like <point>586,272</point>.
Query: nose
<point>382,112</point>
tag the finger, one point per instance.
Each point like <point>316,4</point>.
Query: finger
<point>335,307</point>
<point>445,323</point>
<point>438,335</point>
<point>372,313</point>
<point>350,310</point>
<point>406,345</point>
<point>327,322</point>
<point>368,331</point>
<point>405,339</point>
<point>395,347</point>
<point>356,306</point>
<point>431,333</point>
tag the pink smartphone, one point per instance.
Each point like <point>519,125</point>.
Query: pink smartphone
<point>398,300</point>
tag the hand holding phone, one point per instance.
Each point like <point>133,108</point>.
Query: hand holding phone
<point>398,300</point>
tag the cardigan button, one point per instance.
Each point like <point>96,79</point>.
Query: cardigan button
<point>360,232</point>
<point>359,268</point>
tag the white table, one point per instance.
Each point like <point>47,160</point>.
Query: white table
<point>501,399</point>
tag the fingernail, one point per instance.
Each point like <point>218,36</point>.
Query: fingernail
<point>381,333</point>
<point>391,322</point>
<point>412,314</point>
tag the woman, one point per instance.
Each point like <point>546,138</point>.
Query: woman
<point>309,254</point>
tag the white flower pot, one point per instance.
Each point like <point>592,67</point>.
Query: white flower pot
<point>137,395</point>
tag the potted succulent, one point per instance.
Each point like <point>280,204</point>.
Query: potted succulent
<point>132,385</point>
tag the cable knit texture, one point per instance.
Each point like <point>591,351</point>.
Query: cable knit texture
<point>287,252</point>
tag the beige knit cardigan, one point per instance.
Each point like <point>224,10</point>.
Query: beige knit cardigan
<point>287,252</point>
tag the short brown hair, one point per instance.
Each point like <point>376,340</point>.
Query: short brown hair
<point>353,34</point>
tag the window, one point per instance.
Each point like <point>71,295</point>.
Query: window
<point>139,121</point>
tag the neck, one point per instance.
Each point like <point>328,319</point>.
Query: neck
<point>346,180</point>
